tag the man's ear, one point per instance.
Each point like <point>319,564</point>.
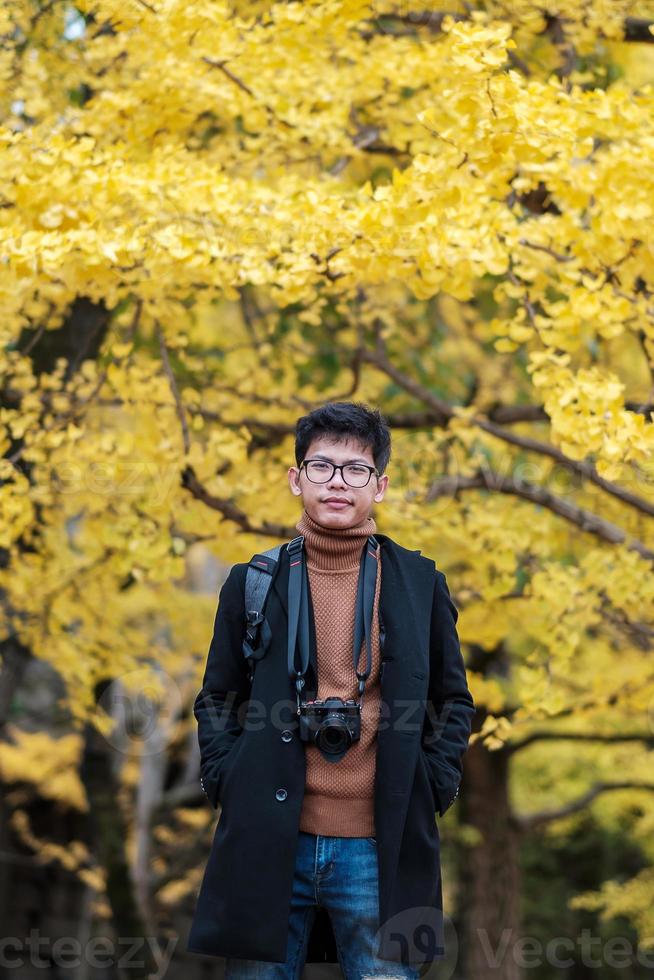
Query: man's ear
<point>293,481</point>
<point>382,484</point>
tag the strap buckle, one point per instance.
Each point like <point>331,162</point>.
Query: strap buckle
<point>254,620</point>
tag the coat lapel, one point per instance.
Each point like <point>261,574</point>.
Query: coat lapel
<point>405,605</point>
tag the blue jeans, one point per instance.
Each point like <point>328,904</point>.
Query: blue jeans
<point>339,874</point>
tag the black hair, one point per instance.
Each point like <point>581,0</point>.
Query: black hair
<point>345,421</point>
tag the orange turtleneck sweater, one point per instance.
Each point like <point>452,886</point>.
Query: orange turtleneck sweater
<point>339,796</point>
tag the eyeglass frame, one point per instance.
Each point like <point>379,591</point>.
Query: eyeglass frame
<point>339,466</point>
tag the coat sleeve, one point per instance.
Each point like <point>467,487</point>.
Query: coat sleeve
<point>224,686</point>
<point>450,707</point>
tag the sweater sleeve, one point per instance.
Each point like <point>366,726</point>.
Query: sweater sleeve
<point>450,707</point>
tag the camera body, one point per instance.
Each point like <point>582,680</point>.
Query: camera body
<point>332,724</point>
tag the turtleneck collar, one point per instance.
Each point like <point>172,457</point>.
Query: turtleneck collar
<point>334,549</point>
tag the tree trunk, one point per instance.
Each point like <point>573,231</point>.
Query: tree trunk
<point>490,885</point>
<point>109,835</point>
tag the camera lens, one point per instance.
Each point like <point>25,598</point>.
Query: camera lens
<point>333,737</point>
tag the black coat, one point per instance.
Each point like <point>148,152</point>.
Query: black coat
<point>248,756</point>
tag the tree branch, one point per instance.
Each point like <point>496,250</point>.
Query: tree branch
<point>641,634</point>
<point>228,73</point>
<point>647,738</point>
<point>635,29</point>
<point>528,822</point>
<point>442,412</point>
<point>579,467</point>
<point>638,29</point>
<point>231,511</point>
<point>490,480</point>
<point>174,389</point>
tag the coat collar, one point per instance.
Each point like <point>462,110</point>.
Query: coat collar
<point>406,620</point>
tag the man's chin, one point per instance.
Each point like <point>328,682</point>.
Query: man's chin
<point>333,517</point>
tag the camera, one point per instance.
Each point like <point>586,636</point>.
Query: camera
<point>332,725</point>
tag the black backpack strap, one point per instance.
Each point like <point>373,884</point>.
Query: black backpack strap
<point>258,580</point>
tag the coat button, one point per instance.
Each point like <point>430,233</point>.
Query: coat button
<point>281,794</point>
<point>287,736</point>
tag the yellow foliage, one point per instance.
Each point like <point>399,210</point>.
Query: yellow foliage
<point>274,204</point>
<point>50,764</point>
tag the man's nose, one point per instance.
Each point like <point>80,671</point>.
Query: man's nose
<point>337,479</point>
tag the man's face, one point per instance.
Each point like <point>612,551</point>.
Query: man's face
<point>316,497</point>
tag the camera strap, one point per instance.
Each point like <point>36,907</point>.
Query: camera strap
<point>364,608</point>
<point>298,611</point>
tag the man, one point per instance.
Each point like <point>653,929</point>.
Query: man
<point>318,857</point>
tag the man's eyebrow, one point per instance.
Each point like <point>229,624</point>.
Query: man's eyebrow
<point>356,459</point>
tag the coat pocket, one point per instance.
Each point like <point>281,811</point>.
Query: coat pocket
<point>227,771</point>
<point>445,788</point>
<point>428,778</point>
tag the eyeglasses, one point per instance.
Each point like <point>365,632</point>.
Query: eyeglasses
<point>354,474</point>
